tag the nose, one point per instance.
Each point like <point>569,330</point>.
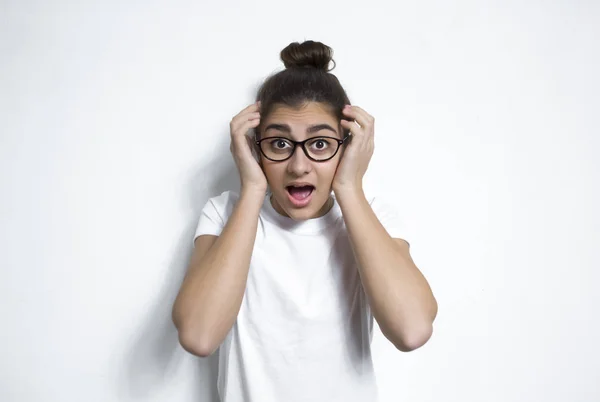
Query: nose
<point>299,164</point>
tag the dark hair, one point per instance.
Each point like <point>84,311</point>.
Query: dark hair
<point>306,78</point>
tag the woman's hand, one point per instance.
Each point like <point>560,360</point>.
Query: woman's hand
<point>357,154</point>
<point>251,175</point>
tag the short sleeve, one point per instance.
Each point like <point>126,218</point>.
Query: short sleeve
<point>215,214</point>
<point>390,219</point>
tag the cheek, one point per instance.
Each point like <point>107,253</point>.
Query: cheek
<point>272,171</point>
<point>328,172</point>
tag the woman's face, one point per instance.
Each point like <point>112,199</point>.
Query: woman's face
<point>296,124</point>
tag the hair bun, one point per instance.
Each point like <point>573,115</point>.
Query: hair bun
<point>308,54</point>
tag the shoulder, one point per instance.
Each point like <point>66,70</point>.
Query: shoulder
<point>225,198</point>
<point>391,215</point>
<point>215,214</point>
<point>381,204</point>
<point>222,204</point>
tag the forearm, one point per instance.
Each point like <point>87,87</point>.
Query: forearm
<point>398,294</point>
<point>212,292</point>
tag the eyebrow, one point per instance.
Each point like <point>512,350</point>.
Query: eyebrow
<point>312,129</point>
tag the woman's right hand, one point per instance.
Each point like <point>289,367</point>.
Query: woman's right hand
<point>251,175</point>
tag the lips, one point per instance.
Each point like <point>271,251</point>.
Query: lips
<point>300,184</point>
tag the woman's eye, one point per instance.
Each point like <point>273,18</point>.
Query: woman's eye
<point>279,144</point>
<point>320,144</point>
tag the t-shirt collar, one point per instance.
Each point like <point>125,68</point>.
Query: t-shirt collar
<point>308,226</point>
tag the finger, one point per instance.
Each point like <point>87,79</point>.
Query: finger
<point>243,130</point>
<point>358,114</point>
<point>252,108</point>
<point>366,116</point>
<point>243,115</point>
<point>239,121</point>
<point>354,128</point>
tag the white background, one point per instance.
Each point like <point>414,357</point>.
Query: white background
<point>114,122</point>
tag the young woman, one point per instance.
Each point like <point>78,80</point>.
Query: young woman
<point>287,285</point>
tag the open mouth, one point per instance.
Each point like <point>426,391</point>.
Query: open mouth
<point>300,195</point>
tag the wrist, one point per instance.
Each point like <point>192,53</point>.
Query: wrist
<point>348,191</point>
<point>252,192</point>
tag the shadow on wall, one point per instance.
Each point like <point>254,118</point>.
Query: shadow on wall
<point>155,356</point>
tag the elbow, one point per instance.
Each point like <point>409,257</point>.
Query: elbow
<point>190,339</point>
<point>413,340</point>
<point>196,344</point>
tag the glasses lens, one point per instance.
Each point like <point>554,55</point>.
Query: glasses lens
<point>276,148</point>
<point>321,147</point>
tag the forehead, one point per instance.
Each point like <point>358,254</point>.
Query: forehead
<point>309,113</point>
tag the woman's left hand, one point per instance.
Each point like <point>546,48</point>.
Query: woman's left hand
<point>357,154</point>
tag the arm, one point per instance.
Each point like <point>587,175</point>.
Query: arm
<point>212,291</point>
<point>397,292</point>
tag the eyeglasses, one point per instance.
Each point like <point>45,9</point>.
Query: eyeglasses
<point>318,149</point>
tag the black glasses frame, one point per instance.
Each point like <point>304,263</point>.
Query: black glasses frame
<point>302,145</point>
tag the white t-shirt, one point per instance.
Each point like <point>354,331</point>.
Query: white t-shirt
<point>304,329</point>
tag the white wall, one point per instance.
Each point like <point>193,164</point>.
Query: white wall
<point>114,132</point>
